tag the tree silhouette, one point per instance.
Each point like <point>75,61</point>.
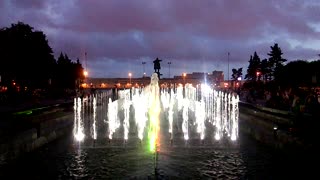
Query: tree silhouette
<point>299,73</point>
<point>69,73</point>
<point>314,68</point>
<point>26,57</point>
<point>253,68</point>
<point>265,69</point>
<point>276,61</point>
<point>236,73</point>
<point>27,61</point>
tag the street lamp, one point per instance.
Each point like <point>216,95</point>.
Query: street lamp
<point>169,63</point>
<point>184,84</point>
<point>130,77</point>
<point>85,73</point>
<point>144,72</point>
<point>228,65</point>
<point>258,75</point>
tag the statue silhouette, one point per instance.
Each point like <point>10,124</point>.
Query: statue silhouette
<point>157,67</point>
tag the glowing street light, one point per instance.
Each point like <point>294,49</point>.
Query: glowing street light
<point>184,83</point>
<point>184,77</point>
<point>258,75</point>
<point>85,73</point>
<point>130,77</point>
<point>144,72</point>
<point>169,63</point>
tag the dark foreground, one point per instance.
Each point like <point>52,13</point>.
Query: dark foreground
<point>64,159</point>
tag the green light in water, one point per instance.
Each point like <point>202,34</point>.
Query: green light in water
<point>153,128</point>
<point>152,134</point>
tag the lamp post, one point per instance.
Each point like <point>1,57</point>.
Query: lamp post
<point>184,84</point>
<point>85,59</point>
<point>85,73</point>
<point>144,72</point>
<point>130,77</point>
<point>169,63</point>
<point>258,75</point>
<point>228,66</point>
<point>184,78</point>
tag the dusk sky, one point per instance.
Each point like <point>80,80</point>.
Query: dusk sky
<point>195,36</point>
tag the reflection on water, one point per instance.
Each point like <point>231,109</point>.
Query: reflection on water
<point>63,159</point>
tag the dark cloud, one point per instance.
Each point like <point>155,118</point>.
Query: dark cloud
<point>194,36</point>
<point>29,4</point>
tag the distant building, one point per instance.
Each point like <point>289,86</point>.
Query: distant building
<point>216,78</point>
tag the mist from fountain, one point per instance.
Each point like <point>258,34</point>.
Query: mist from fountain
<point>141,112</point>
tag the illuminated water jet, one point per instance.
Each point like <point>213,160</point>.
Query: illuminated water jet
<point>184,113</point>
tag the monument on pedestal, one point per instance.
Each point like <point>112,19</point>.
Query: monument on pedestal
<point>157,67</point>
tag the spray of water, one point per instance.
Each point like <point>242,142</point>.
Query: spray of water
<point>78,124</point>
<point>154,112</point>
<point>185,108</point>
<point>94,118</point>
<point>113,120</point>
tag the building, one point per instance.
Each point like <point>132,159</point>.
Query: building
<point>216,78</point>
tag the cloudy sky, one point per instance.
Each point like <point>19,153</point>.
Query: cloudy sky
<point>195,36</point>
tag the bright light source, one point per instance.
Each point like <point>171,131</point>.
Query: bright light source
<point>239,78</point>
<point>129,74</point>
<point>85,73</point>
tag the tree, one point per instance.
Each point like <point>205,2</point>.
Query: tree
<point>236,73</point>
<point>253,68</point>
<point>265,69</point>
<point>299,73</point>
<point>26,57</point>
<point>27,62</point>
<point>276,61</point>
<point>315,72</point>
<point>69,73</point>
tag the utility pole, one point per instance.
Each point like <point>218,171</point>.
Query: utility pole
<point>169,68</point>
<point>85,59</point>
<point>144,72</point>
<point>85,69</point>
<point>130,74</point>
<point>228,66</point>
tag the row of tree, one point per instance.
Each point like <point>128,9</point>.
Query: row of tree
<point>299,73</point>
<point>27,61</point>
<point>266,69</point>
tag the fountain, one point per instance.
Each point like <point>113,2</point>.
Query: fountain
<point>157,116</point>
